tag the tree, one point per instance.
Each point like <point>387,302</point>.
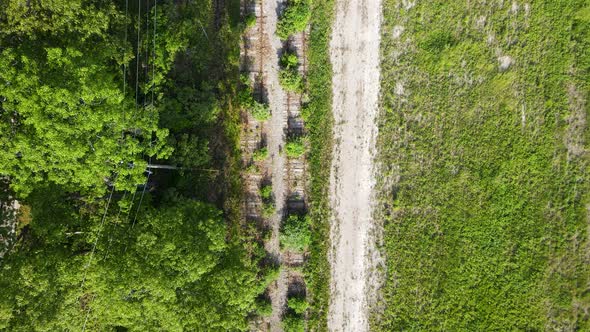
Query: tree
<point>173,271</point>
<point>65,117</point>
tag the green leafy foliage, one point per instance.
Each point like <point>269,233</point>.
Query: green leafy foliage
<point>66,117</point>
<point>318,124</point>
<point>260,154</point>
<point>266,192</point>
<point>268,209</point>
<point>484,184</point>
<point>293,323</point>
<point>260,111</point>
<point>250,20</point>
<point>295,233</point>
<point>295,147</point>
<point>171,253</point>
<point>298,304</point>
<point>177,265</point>
<point>263,307</point>
<point>294,19</point>
<point>289,76</point>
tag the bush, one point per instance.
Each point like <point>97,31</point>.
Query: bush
<point>295,148</point>
<point>263,307</point>
<point>260,154</point>
<point>297,304</point>
<point>295,235</point>
<point>252,169</point>
<point>293,323</point>
<point>250,20</point>
<point>268,209</point>
<point>290,80</point>
<point>260,111</point>
<point>266,192</point>
<point>289,77</point>
<point>294,19</point>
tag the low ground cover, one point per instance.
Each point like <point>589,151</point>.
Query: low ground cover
<point>483,151</point>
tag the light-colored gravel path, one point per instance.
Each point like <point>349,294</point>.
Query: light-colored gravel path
<point>354,50</point>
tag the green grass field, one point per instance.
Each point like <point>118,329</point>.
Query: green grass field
<point>483,147</point>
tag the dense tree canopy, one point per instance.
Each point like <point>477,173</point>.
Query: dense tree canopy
<point>163,257</point>
<point>63,112</point>
<point>174,270</point>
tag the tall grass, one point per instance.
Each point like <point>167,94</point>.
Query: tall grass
<point>483,144</point>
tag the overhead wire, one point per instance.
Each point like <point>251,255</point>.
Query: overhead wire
<point>116,173</point>
<point>152,86</point>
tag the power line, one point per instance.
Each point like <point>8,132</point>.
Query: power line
<point>116,174</point>
<point>154,52</point>
<point>99,230</point>
<point>137,57</point>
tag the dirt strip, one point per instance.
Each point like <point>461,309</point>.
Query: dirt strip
<point>354,51</point>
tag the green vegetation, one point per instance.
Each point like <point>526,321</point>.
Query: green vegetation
<point>268,203</point>
<point>298,304</point>
<point>294,19</point>
<point>483,141</point>
<point>289,76</point>
<point>318,123</point>
<point>264,307</point>
<point>250,20</point>
<point>294,323</point>
<point>268,209</point>
<point>73,131</point>
<point>64,118</point>
<point>260,154</point>
<point>260,111</point>
<point>295,233</point>
<point>266,192</point>
<point>295,147</point>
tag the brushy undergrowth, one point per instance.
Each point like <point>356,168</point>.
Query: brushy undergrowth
<point>295,147</point>
<point>483,148</point>
<point>294,19</point>
<point>295,233</point>
<point>319,126</point>
<point>289,76</point>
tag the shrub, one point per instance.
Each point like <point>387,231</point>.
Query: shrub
<point>252,169</point>
<point>290,80</point>
<point>289,60</point>
<point>295,148</point>
<point>268,209</point>
<point>260,111</point>
<point>289,77</point>
<point>260,154</point>
<point>295,234</point>
<point>297,304</point>
<point>263,307</point>
<point>293,323</point>
<point>271,274</point>
<point>294,19</point>
<point>250,20</point>
<point>266,192</point>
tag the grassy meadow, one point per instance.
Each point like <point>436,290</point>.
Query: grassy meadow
<point>483,148</point>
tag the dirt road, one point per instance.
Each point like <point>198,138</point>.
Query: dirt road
<point>354,50</point>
